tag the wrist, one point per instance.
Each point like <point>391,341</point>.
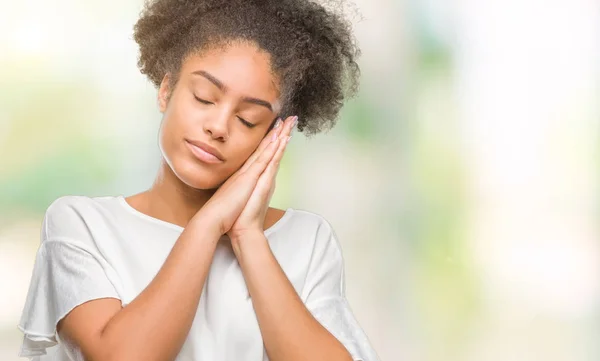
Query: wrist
<point>206,225</point>
<point>246,243</point>
<point>247,234</point>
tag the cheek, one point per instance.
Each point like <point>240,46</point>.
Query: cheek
<point>177,122</point>
<point>248,149</point>
<point>188,169</point>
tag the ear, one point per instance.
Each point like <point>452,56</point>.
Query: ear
<point>163,93</point>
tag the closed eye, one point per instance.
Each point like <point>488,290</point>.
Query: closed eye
<point>202,100</point>
<point>245,122</point>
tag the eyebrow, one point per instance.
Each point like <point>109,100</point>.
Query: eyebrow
<point>219,84</point>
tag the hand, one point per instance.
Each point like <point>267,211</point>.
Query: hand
<point>226,204</point>
<point>253,215</point>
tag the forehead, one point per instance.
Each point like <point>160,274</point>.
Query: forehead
<point>241,67</point>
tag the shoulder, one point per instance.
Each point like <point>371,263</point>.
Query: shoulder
<point>61,204</point>
<point>70,217</point>
<point>314,231</point>
<point>296,219</point>
<point>314,221</point>
<point>70,208</point>
<point>308,250</point>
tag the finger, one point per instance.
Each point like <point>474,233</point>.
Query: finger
<point>258,166</point>
<point>275,132</point>
<point>275,161</point>
<point>249,179</point>
<point>289,126</point>
<point>269,176</point>
<point>250,161</point>
<point>260,150</point>
<point>267,138</point>
<point>265,142</point>
<point>273,165</point>
<point>265,186</point>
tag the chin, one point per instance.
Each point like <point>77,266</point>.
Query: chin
<point>194,174</point>
<point>198,176</point>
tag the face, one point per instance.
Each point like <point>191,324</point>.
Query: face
<point>225,98</point>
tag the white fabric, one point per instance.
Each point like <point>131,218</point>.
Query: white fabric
<point>98,247</point>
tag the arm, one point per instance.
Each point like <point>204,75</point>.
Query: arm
<point>71,296</point>
<point>155,324</point>
<point>289,330</point>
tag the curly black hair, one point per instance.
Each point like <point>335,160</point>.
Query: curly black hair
<point>312,49</point>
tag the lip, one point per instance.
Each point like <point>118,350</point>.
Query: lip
<point>204,152</point>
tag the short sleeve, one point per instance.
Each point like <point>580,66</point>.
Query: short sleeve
<point>324,295</point>
<point>67,272</point>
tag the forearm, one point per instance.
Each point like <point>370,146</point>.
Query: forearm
<point>155,324</point>
<point>289,330</point>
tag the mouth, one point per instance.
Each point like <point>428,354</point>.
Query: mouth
<point>202,154</point>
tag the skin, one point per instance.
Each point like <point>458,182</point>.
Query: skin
<point>183,184</point>
<point>209,200</point>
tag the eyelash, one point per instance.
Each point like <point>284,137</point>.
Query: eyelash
<point>245,122</point>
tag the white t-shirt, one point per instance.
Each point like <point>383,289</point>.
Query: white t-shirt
<point>97,247</point>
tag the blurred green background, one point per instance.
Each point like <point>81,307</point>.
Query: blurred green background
<point>463,181</point>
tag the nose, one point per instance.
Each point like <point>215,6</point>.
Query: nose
<point>216,122</point>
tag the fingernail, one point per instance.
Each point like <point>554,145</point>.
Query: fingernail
<point>295,121</point>
<point>277,123</point>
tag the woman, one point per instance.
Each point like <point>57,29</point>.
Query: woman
<point>198,267</point>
